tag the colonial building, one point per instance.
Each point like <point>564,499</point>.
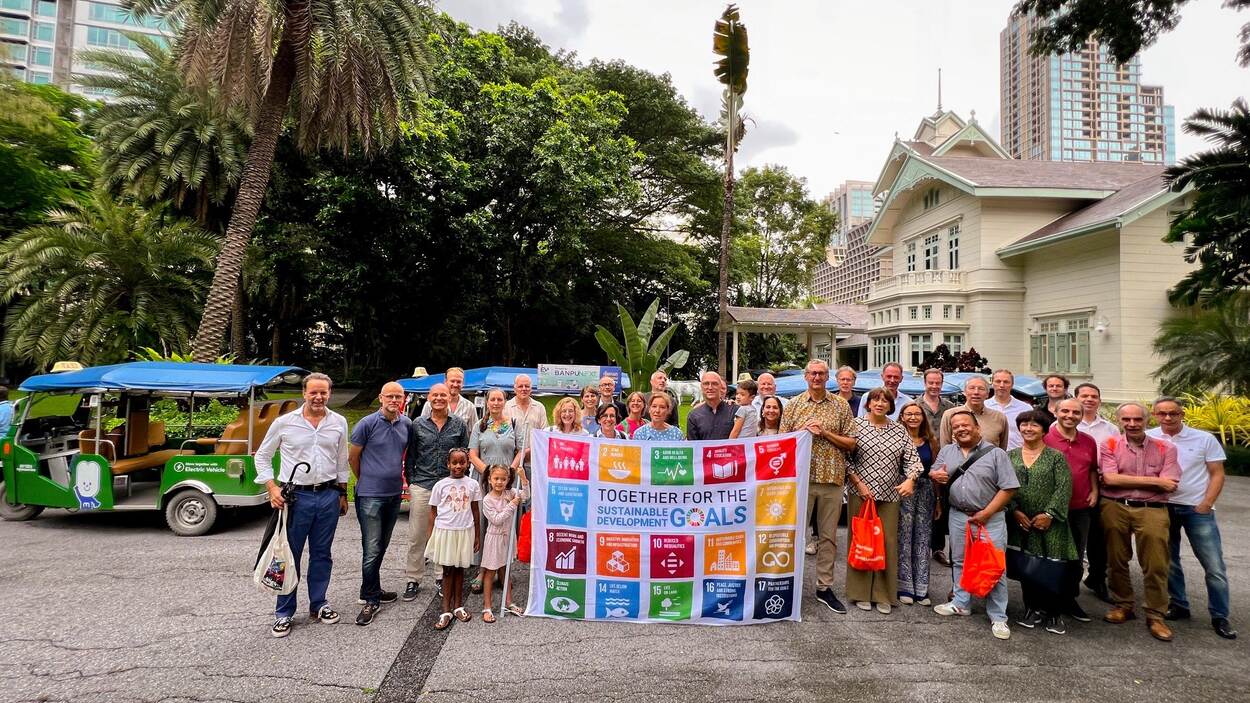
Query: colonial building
<point>1040,265</point>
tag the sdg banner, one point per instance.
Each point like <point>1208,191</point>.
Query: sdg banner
<point>689,532</point>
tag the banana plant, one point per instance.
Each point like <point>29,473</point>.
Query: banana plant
<point>729,42</point>
<point>635,353</point>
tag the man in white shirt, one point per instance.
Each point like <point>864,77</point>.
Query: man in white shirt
<point>1007,404</point>
<point>312,445</point>
<point>891,377</point>
<point>1101,430</point>
<point>1191,507</point>
<point>767,387</point>
<point>459,406</point>
<point>529,414</point>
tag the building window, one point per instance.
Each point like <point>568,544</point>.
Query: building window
<point>40,78</point>
<point>959,312</point>
<point>884,350</point>
<point>911,256</point>
<point>41,56</point>
<point>931,252</point>
<point>954,342</point>
<point>931,198</point>
<point>911,313</point>
<point>952,247</point>
<point>45,8</point>
<point>1060,346</point>
<point>946,312</point>
<point>921,344</point>
<point>45,31</point>
<point>117,15</point>
<point>14,26</point>
<point>926,312</point>
<point>19,5</point>
<point>14,53</point>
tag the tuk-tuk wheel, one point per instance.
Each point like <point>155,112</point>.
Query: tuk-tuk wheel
<point>190,513</point>
<point>16,513</point>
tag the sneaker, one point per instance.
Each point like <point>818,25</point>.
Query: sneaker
<point>810,549</point>
<point>281,627</point>
<point>906,600</point>
<point>367,613</point>
<point>950,609</point>
<point>438,583</point>
<point>1031,619</point>
<point>1001,631</point>
<point>1055,624</point>
<point>924,601</point>
<point>1077,613</point>
<point>825,595</point>
<point>388,597</point>
<point>410,593</point>
<point>326,615</point>
<point>863,605</point>
<point>884,608</point>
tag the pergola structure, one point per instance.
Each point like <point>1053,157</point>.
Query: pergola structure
<point>809,323</point>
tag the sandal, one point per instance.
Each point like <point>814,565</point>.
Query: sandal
<point>488,616</point>
<point>475,586</point>
<point>514,609</point>
<point>461,614</point>
<point>444,621</point>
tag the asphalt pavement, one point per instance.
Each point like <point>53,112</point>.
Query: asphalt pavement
<point>114,607</point>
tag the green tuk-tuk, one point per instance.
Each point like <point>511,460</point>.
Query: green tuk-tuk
<point>87,440</point>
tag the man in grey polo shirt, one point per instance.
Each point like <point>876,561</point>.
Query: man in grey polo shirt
<point>978,495</point>
<point>376,458</point>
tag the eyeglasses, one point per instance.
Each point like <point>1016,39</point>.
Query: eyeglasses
<point>1168,413</point>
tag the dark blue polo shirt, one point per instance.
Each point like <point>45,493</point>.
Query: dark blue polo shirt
<point>382,458</point>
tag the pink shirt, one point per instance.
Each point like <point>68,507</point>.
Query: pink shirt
<point>1082,456</point>
<point>1155,458</point>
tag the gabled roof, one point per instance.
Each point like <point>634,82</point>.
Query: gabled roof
<point>1104,177</point>
<point>784,317</point>
<point>930,125</point>
<point>974,137</point>
<point>1126,205</point>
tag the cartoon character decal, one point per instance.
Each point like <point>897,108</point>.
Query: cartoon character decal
<point>87,476</point>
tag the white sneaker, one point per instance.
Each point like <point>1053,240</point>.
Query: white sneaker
<point>883,608</point>
<point>1001,631</point>
<point>905,600</point>
<point>810,549</point>
<point>863,605</point>
<point>950,609</point>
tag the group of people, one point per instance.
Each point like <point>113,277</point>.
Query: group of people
<point>1057,482</point>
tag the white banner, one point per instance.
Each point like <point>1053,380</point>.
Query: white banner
<point>690,532</point>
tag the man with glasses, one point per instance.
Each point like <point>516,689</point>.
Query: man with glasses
<point>828,418</point>
<point>1192,508</point>
<point>607,396</point>
<point>527,415</point>
<point>714,418</point>
<point>425,463</point>
<point>376,458</point>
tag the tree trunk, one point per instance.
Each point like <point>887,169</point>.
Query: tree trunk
<point>275,342</point>
<point>238,344</point>
<point>726,223</point>
<point>211,336</point>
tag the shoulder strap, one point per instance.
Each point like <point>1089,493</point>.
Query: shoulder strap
<point>972,458</point>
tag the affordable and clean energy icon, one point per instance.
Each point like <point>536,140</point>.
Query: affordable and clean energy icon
<point>565,560</point>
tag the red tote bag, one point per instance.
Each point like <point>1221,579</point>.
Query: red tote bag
<point>867,552</point>
<point>523,539</point>
<point>984,564</point>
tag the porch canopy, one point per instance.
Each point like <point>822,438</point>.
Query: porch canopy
<point>804,323</point>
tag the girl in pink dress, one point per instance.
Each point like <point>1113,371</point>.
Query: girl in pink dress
<point>498,507</point>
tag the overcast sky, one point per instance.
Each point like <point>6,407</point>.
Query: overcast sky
<point>831,82</point>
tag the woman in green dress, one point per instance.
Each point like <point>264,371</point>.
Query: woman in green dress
<point>1038,516</point>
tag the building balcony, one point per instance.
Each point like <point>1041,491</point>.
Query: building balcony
<point>938,281</point>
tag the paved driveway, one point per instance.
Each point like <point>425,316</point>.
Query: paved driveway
<point>114,607</point>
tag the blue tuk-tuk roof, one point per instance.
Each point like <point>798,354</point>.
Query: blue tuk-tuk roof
<point>912,385</point>
<point>161,376</point>
<point>486,378</point>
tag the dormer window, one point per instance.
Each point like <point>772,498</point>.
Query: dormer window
<point>931,198</point>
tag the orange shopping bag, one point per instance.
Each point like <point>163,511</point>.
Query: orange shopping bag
<point>523,539</point>
<point>867,540</point>
<point>984,563</point>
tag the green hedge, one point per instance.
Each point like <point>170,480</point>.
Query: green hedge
<point>1238,463</point>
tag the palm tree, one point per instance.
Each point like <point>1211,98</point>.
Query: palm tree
<point>101,278</point>
<point>729,41</point>
<point>341,69</point>
<point>158,140</point>
<point>1207,348</point>
<point>1216,225</point>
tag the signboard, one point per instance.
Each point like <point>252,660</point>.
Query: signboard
<point>563,378</point>
<point>690,532</point>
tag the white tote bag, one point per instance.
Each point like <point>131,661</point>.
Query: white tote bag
<point>275,573</point>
